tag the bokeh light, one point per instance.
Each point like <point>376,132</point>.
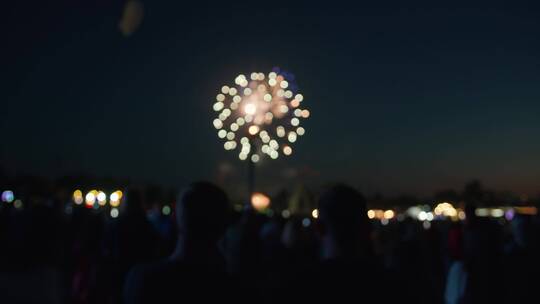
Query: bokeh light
<point>445,209</point>
<point>8,196</point>
<point>102,198</point>
<point>115,212</point>
<point>287,150</point>
<point>166,210</point>
<point>497,212</point>
<point>78,197</point>
<point>389,214</point>
<point>132,17</point>
<point>285,213</point>
<point>260,201</point>
<point>115,198</point>
<point>90,198</point>
<point>18,204</point>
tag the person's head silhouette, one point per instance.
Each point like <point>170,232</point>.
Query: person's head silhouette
<point>134,205</point>
<point>470,213</point>
<point>343,223</point>
<point>202,213</point>
<point>522,229</point>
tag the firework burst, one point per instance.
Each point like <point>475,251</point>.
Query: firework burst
<point>260,115</point>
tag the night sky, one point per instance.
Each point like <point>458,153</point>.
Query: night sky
<point>403,99</point>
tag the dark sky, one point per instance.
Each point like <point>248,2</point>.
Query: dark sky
<point>403,99</point>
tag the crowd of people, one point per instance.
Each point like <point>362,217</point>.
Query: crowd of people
<point>207,251</point>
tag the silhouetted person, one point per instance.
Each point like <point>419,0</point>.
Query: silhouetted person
<point>86,247</point>
<point>195,272</point>
<point>131,240</point>
<point>135,237</point>
<point>522,268</point>
<point>456,278</point>
<point>482,258</point>
<point>348,269</point>
<point>412,264</point>
<point>289,262</point>
<point>34,271</point>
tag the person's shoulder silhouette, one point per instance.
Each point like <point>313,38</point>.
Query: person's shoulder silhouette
<point>348,268</point>
<point>343,224</point>
<point>195,272</point>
